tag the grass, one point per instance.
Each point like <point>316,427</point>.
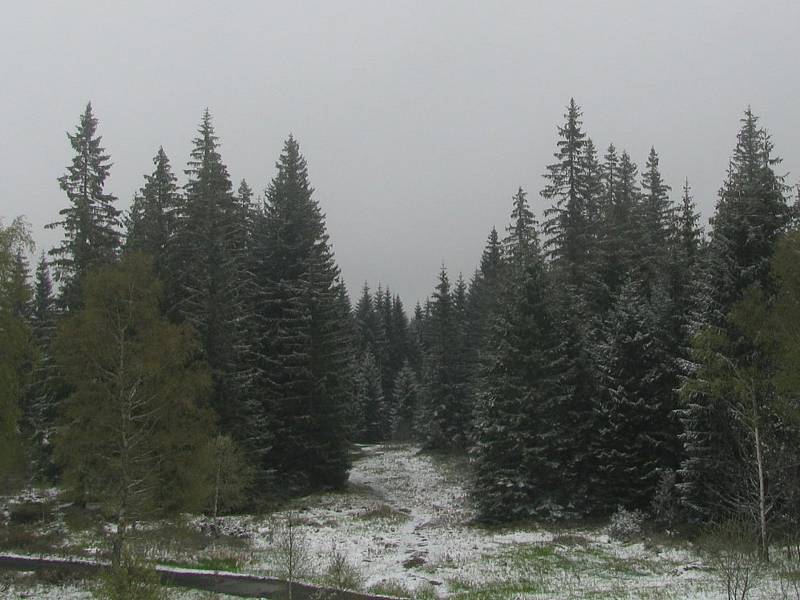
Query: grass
<point>390,587</point>
<point>500,590</point>
<point>569,567</point>
<point>393,588</point>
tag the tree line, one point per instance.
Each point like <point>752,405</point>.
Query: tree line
<point>204,346</point>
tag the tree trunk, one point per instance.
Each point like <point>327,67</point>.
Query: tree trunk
<point>119,541</point>
<point>762,501</point>
<point>216,487</point>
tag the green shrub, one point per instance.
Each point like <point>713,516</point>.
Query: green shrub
<point>341,574</point>
<point>133,579</point>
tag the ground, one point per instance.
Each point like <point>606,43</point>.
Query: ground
<point>405,526</point>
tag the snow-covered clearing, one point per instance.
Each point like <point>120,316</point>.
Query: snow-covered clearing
<point>405,525</point>
<point>407,520</point>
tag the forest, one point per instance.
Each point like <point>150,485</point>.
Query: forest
<point>200,351</point>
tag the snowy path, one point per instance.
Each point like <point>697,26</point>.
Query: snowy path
<point>403,515</point>
<point>412,485</point>
<point>405,518</point>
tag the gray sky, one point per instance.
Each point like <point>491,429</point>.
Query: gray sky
<point>418,119</point>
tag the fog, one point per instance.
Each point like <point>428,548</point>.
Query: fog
<point>419,120</point>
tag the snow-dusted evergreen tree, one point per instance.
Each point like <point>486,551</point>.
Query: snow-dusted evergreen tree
<point>521,241</point>
<point>575,392</point>
<point>400,344</point>
<point>153,216</point>
<point>621,235</point>
<point>484,290</point>
<point>45,388</point>
<point>246,204</point>
<point>516,475</point>
<point>406,404</point>
<point>207,263</point>
<point>637,432</point>
<point>567,224</point>
<point>305,351</point>
<point>446,411</point>
<point>574,224</point>
<point>384,351</point>
<point>685,275</point>
<point>689,231</point>
<point>656,216</point>
<point>90,222</point>
<point>752,212</point>
<point>417,343</point>
<point>374,417</point>
<point>369,324</point>
<point>482,300</point>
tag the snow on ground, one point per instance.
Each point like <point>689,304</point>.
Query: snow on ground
<point>407,518</point>
<point>405,522</point>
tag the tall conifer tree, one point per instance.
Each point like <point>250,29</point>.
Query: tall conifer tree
<point>305,346</point>
<point>153,217</point>
<point>91,221</point>
<point>567,220</point>
<point>751,214</point>
<point>208,263</point>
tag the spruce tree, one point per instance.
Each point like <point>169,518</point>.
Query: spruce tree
<point>621,235</point>
<point>417,343</point>
<point>207,262</point>
<point>688,229</point>
<point>153,217</point>
<point>752,212</point>
<point>656,215</point>
<point>446,407</point>
<point>90,222</point>
<point>246,205</point>
<point>385,358</point>
<point>516,475</point>
<point>305,349</point>
<point>593,291</point>
<point>482,299</point>
<point>369,324</point>
<point>521,241</point>
<point>374,417</point>
<point>567,220</point>
<point>45,389</point>
<point>637,432</point>
<point>400,350</point>
<point>574,396</point>
<point>406,398</point>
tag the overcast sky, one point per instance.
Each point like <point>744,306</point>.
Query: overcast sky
<point>419,120</point>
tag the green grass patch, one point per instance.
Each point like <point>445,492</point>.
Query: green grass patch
<point>390,587</point>
<point>505,590</point>
<point>541,559</point>
<point>599,562</point>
